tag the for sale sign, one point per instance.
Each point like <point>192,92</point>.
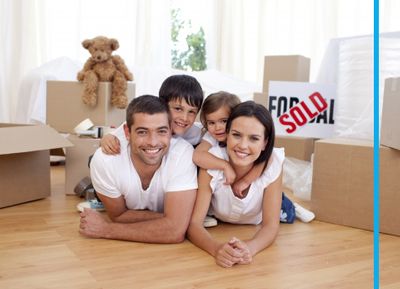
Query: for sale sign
<point>302,109</point>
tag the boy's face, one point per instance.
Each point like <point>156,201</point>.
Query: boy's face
<point>183,115</point>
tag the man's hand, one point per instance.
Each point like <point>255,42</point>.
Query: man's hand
<point>110,145</point>
<point>92,224</point>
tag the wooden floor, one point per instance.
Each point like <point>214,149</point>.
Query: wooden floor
<point>40,247</point>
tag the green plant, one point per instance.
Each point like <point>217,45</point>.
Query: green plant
<point>194,57</point>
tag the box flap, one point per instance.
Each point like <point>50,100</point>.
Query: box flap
<point>26,138</point>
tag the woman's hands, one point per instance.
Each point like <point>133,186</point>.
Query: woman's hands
<point>233,252</point>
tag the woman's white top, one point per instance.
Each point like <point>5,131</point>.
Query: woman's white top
<point>227,207</point>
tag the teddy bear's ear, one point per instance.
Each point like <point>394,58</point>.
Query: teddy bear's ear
<point>86,43</point>
<point>114,44</point>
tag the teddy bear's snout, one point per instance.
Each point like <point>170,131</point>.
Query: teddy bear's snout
<point>100,56</point>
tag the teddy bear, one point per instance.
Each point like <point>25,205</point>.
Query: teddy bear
<point>102,66</point>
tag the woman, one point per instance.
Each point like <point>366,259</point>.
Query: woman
<point>250,141</point>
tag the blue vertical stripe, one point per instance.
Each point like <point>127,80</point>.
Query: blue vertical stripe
<point>376,144</point>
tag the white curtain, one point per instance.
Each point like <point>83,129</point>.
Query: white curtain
<point>249,30</point>
<point>36,31</point>
<point>239,33</point>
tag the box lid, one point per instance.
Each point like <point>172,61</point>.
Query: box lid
<point>26,138</point>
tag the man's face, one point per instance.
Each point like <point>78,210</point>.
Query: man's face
<point>149,138</point>
<point>182,114</point>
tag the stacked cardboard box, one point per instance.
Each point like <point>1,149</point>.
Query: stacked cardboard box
<point>77,162</point>
<point>296,147</point>
<point>287,68</point>
<point>390,129</point>
<point>342,185</point>
<point>282,68</point>
<point>65,110</point>
<point>24,162</point>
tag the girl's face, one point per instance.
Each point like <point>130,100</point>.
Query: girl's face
<point>245,140</point>
<point>183,115</point>
<point>216,123</point>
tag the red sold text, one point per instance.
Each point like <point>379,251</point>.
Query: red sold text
<point>293,113</point>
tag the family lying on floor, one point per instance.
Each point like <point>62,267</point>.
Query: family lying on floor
<point>145,173</point>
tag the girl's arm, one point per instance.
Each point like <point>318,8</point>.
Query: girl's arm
<point>224,254</point>
<point>271,212</point>
<point>241,185</point>
<point>206,160</point>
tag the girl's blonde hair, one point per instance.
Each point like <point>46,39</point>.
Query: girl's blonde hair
<point>215,101</point>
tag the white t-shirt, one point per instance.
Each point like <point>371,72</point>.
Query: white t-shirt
<point>192,135</point>
<point>115,175</point>
<point>227,207</point>
<point>210,139</point>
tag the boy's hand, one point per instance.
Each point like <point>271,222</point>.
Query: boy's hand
<point>230,175</point>
<point>239,188</point>
<point>110,145</point>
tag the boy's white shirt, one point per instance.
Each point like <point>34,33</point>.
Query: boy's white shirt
<point>193,135</point>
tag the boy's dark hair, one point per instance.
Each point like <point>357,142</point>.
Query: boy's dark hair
<point>182,86</point>
<point>148,104</point>
<point>252,109</point>
<point>215,101</point>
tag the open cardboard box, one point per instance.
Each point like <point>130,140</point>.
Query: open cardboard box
<point>25,162</point>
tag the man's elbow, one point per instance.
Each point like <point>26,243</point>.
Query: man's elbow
<point>178,233</point>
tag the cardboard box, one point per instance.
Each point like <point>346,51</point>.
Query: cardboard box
<point>76,160</point>
<point>285,68</point>
<point>261,98</point>
<point>296,147</point>
<point>65,108</point>
<point>25,162</point>
<point>389,190</point>
<point>342,186</point>
<point>390,129</point>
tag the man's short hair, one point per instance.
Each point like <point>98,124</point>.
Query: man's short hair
<point>182,86</point>
<point>148,104</point>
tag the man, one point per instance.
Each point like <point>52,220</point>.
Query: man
<point>149,188</point>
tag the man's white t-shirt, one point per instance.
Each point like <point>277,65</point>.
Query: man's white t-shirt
<point>192,135</point>
<point>226,206</point>
<point>115,176</point>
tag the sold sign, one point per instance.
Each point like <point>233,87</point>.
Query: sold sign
<point>302,109</point>
<point>302,113</point>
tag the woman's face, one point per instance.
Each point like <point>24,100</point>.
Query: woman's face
<point>245,140</point>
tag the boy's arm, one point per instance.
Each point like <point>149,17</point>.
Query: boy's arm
<point>111,143</point>
<point>241,185</point>
<point>207,161</point>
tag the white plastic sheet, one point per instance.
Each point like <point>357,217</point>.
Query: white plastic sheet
<point>297,176</point>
